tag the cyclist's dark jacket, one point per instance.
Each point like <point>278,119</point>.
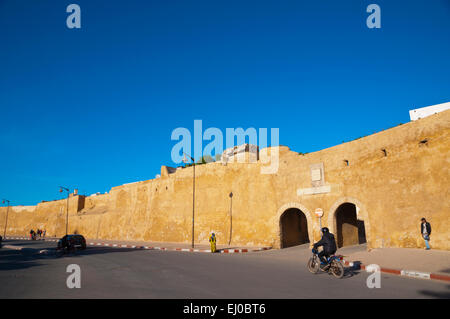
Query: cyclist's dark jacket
<point>328,243</point>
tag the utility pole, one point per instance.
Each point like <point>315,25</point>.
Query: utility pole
<point>231,216</point>
<point>6,222</point>
<point>193,197</point>
<point>67,209</point>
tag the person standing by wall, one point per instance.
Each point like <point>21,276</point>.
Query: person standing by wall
<point>212,241</point>
<point>425,229</point>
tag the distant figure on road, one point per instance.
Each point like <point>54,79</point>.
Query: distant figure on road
<point>212,241</point>
<point>425,230</point>
<point>45,231</point>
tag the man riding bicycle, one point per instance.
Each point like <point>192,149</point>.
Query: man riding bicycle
<point>329,247</point>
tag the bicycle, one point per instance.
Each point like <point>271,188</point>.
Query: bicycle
<point>334,262</point>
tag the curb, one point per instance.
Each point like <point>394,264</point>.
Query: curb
<point>405,273</point>
<point>27,238</point>
<point>12,247</point>
<point>221,251</point>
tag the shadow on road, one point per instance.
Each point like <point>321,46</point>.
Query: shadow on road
<point>433,294</point>
<point>350,272</point>
<point>21,243</point>
<point>29,257</point>
<point>13,260</point>
<point>52,252</point>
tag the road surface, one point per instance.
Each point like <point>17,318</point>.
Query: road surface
<point>108,272</point>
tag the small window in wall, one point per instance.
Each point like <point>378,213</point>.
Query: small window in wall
<point>384,152</point>
<point>346,162</point>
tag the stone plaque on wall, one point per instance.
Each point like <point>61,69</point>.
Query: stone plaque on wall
<point>317,175</point>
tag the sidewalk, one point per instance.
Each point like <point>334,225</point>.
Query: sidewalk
<point>187,247</point>
<point>412,262</point>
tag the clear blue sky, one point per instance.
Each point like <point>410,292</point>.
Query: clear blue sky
<point>94,108</point>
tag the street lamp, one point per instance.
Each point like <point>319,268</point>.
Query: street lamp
<point>67,210</point>
<point>6,222</point>
<point>193,195</point>
<point>231,216</point>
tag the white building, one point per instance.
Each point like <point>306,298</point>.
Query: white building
<point>428,110</point>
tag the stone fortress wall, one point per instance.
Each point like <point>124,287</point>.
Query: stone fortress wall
<point>374,189</point>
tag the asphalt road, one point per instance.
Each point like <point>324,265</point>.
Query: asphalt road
<point>108,272</point>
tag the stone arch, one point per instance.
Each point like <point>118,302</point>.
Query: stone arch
<point>304,210</point>
<point>361,212</point>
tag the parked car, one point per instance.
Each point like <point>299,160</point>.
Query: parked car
<point>72,241</point>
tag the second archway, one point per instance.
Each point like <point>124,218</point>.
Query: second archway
<point>293,228</point>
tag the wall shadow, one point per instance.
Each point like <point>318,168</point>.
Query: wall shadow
<point>350,230</point>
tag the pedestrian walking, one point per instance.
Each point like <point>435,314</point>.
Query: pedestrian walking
<point>425,230</point>
<point>212,241</point>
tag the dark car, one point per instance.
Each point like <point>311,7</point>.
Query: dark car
<point>72,241</point>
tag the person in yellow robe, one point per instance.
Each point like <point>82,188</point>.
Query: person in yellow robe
<point>212,241</point>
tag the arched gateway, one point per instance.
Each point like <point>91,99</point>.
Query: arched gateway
<point>348,222</point>
<point>293,226</point>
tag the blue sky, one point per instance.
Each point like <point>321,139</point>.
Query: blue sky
<point>95,107</point>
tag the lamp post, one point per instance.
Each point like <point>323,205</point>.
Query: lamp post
<point>6,222</point>
<point>231,216</point>
<point>193,196</point>
<point>67,209</point>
